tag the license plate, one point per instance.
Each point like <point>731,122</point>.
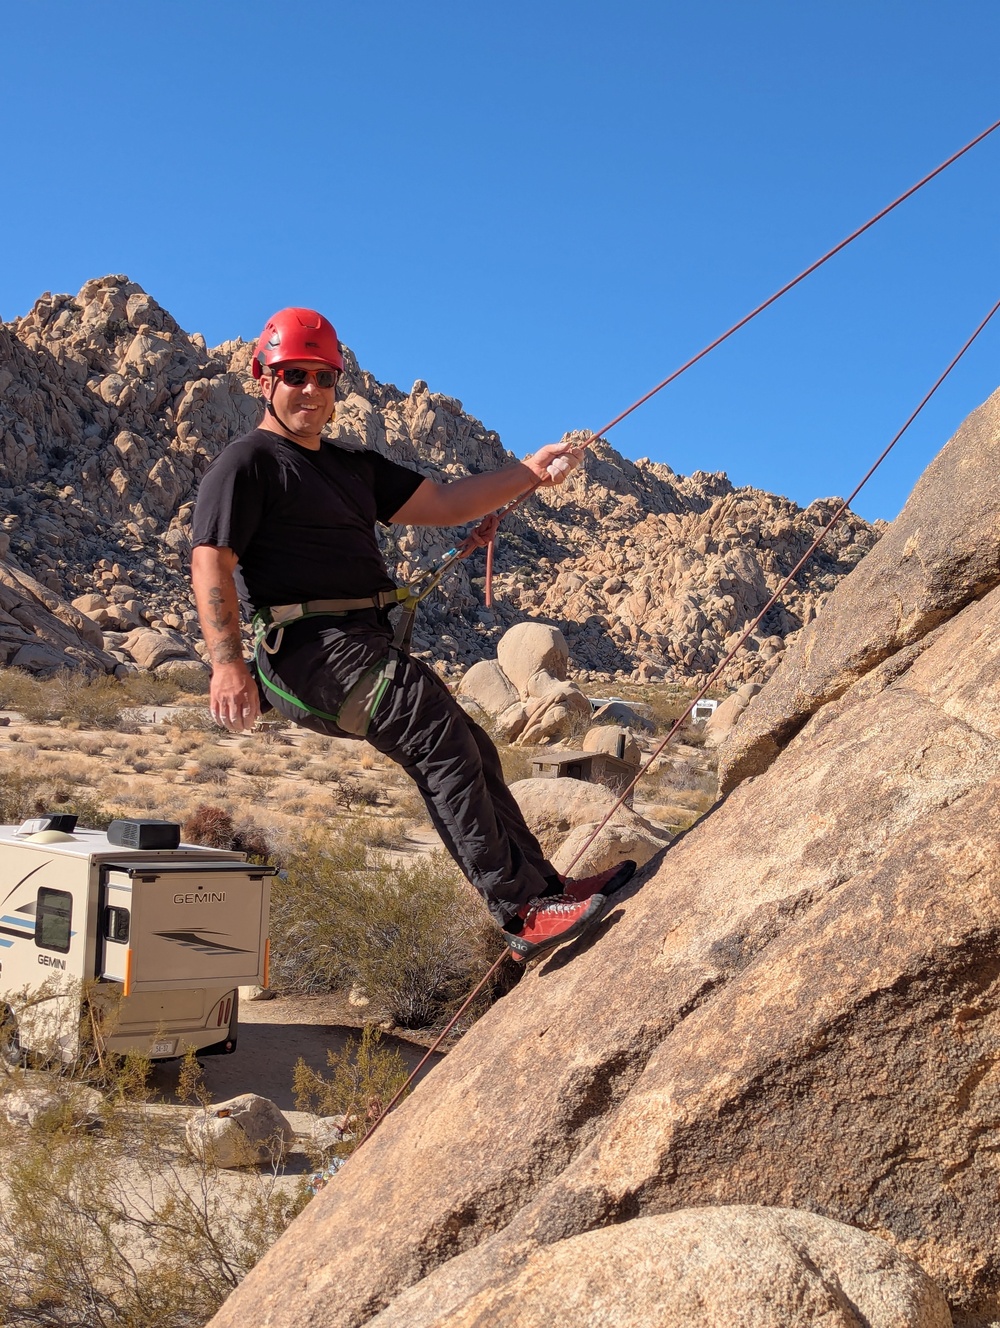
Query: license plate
<point>165,1047</point>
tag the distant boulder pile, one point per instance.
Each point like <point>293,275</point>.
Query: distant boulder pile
<point>110,413</point>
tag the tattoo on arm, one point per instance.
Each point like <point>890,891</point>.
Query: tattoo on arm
<point>220,616</point>
<point>227,651</point>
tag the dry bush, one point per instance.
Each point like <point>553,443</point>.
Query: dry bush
<point>149,689</point>
<point>24,794</point>
<point>259,765</point>
<point>93,702</point>
<point>366,1077</point>
<point>196,718</point>
<point>415,938</point>
<point>215,828</point>
<point>88,745</point>
<point>376,831</point>
<point>186,742</point>
<point>316,744</point>
<point>294,762</point>
<point>18,690</point>
<point>189,680</point>
<point>220,758</point>
<point>516,763</point>
<point>109,1229</point>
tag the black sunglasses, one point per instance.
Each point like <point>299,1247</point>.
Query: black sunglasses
<point>296,377</point>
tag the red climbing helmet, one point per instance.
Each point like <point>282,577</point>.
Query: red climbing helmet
<point>297,334</point>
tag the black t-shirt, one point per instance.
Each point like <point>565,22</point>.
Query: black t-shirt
<point>301,523</point>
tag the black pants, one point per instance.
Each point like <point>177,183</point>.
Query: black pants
<point>420,726</point>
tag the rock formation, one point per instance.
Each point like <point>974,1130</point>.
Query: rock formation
<point>525,691</point>
<point>110,412</point>
<point>796,1006</point>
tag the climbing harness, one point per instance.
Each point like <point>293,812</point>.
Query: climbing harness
<point>364,697</point>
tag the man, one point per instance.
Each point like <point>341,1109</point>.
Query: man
<point>285,522</point>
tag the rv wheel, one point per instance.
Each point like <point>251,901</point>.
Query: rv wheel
<point>10,1043</point>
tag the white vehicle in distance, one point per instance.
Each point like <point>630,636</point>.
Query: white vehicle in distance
<point>155,936</point>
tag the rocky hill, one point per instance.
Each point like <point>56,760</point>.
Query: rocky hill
<point>110,412</point>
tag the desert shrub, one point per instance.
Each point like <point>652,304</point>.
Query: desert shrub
<point>215,828</point>
<point>219,758</point>
<point>366,1077</point>
<point>253,764</point>
<point>191,681</point>
<point>105,1228</point>
<point>94,702</point>
<point>197,718</point>
<point>19,690</point>
<point>424,940</point>
<point>23,795</point>
<point>149,689</point>
<point>516,763</point>
<point>350,792</point>
<point>416,938</point>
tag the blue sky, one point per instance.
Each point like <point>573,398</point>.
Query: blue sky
<point>541,208</point>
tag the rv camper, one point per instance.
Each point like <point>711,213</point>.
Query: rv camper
<point>150,938</point>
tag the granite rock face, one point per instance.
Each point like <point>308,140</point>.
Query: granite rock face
<point>110,413</point>
<point>799,1007</point>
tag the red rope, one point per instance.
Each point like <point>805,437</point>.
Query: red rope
<point>837,516</point>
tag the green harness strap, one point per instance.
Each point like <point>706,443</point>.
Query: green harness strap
<point>363,699</point>
<point>361,702</point>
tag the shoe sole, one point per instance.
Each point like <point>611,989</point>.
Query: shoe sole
<point>571,934</point>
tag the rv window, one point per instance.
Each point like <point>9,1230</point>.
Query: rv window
<point>53,915</point>
<point>116,922</point>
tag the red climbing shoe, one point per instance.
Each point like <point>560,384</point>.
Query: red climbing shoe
<point>604,883</point>
<point>550,921</point>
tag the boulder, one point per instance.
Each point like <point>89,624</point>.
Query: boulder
<point>150,649</point>
<point>563,814</point>
<point>719,726</point>
<point>245,1131</point>
<point>709,1267</point>
<point>487,685</point>
<point>531,648</point>
<point>608,738</point>
<point>797,1006</point>
<point>40,658</point>
<point>70,1103</point>
<point>619,712</point>
<point>509,724</point>
<point>557,714</point>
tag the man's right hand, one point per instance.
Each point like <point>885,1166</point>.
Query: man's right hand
<point>233,697</point>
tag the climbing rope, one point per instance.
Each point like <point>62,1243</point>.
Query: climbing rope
<point>712,345</point>
<point>716,673</point>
